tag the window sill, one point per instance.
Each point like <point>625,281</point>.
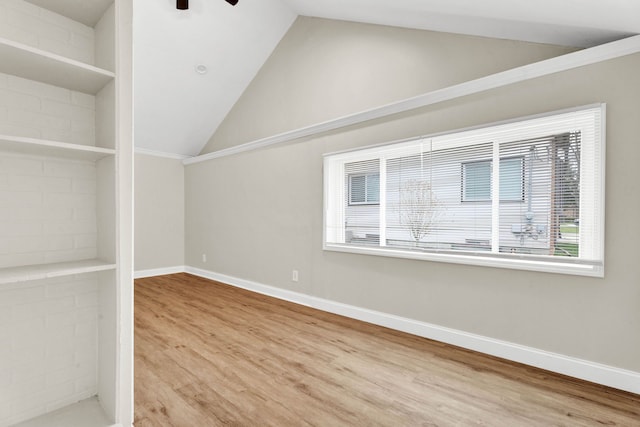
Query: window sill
<point>482,259</point>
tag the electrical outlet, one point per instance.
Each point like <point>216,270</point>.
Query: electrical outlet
<point>204,257</point>
<point>294,275</point>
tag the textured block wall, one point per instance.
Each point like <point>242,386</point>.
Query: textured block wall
<point>47,210</point>
<point>48,345</point>
<point>36,27</point>
<point>38,110</point>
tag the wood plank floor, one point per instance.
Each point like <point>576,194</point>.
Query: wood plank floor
<point>207,354</point>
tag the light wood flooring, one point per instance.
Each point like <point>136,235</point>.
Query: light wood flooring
<point>208,354</point>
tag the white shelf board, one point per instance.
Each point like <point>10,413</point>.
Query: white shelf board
<point>43,147</point>
<point>36,64</point>
<point>86,413</point>
<point>46,271</point>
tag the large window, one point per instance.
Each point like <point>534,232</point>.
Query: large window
<point>526,194</point>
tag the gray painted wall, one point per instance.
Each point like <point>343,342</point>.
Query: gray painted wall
<point>258,215</point>
<point>159,212</point>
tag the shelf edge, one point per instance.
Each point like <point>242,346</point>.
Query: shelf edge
<point>49,271</point>
<point>50,148</point>
<point>50,143</point>
<point>56,57</point>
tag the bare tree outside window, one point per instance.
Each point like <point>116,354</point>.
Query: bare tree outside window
<point>419,208</point>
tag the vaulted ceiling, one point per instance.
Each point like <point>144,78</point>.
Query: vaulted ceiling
<point>178,108</point>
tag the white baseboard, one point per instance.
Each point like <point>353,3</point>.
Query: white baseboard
<point>578,368</point>
<point>141,274</point>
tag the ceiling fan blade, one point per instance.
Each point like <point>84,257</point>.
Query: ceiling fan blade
<point>184,4</point>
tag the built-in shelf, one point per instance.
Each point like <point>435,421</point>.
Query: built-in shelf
<point>98,166</point>
<point>35,64</point>
<point>43,147</point>
<point>87,12</point>
<point>46,271</point>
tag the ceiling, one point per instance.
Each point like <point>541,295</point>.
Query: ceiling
<point>177,109</point>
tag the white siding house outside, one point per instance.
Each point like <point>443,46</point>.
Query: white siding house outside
<point>460,223</point>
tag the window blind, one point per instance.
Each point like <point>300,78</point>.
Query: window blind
<point>519,193</point>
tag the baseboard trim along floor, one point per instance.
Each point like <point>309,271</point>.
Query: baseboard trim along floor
<point>578,368</point>
<point>141,274</point>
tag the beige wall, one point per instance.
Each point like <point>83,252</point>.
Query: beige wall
<point>159,212</point>
<point>323,69</point>
<point>258,215</point>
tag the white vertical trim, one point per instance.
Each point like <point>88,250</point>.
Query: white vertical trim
<point>124,211</point>
<point>382,215</point>
<point>495,199</point>
<point>334,210</point>
<point>603,159</point>
<point>592,187</point>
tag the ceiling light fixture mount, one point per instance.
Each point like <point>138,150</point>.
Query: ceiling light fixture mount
<point>184,4</point>
<point>201,69</point>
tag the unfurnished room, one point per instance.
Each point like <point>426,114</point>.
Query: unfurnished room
<point>319,212</point>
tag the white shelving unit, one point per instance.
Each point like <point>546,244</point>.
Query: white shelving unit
<point>66,212</point>
<point>45,67</point>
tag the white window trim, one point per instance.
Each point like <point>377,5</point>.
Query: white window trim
<point>493,259</point>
